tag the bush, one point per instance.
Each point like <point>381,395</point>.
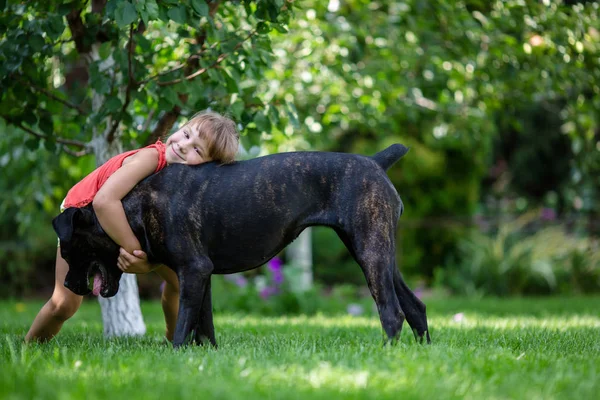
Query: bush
<point>273,292</point>
<point>509,262</point>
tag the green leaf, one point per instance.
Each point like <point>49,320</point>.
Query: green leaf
<point>46,124</point>
<point>50,145</point>
<point>262,122</point>
<point>65,8</point>
<point>125,14</point>
<point>200,7</point>
<point>292,113</point>
<point>55,27</point>
<point>164,105</point>
<point>280,28</point>
<point>105,50</point>
<point>178,14</point>
<point>32,144</point>
<point>232,86</point>
<point>36,42</point>
<point>273,115</point>
<point>113,104</point>
<point>99,83</point>
<point>144,16</point>
<point>143,42</point>
<point>170,95</point>
<point>237,108</point>
<point>152,9</point>
<point>273,12</point>
<point>263,27</point>
<point>30,118</point>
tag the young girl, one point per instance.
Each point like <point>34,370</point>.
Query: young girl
<point>208,136</point>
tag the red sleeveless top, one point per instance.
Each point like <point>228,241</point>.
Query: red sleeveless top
<point>84,192</point>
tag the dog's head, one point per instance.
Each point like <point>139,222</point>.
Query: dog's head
<point>90,253</point>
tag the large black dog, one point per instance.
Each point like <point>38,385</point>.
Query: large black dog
<point>219,219</point>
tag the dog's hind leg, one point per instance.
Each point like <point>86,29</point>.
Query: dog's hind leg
<point>194,277</point>
<point>413,308</point>
<point>377,270</point>
<point>377,261</point>
<point>206,328</point>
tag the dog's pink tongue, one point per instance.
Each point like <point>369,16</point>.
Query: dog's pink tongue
<point>97,284</point>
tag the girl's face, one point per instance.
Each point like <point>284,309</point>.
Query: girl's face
<point>186,147</point>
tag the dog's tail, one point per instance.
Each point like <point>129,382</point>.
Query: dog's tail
<point>388,157</point>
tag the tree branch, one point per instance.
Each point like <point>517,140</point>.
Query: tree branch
<point>79,153</point>
<point>164,124</point>
<point>98,6</point>
<point>58,140</point>
<point>129,56</point>
<point>168,119</point>
<point>84,147</point>
<point>148,120</point>
<point>78,31</point>
<point>131,84</point>
<point>195,56</point>
<point>51,95</point>
<point>203,70</point>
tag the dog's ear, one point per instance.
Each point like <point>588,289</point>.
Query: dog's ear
<point>63,224</point>
<point>84,218</point>
<point>72,217</point>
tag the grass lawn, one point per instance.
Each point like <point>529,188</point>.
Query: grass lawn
<point>499,349</point>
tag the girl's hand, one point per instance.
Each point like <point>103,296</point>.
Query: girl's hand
<point>136,263</point>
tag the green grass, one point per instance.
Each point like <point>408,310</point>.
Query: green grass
<point>522,348</point>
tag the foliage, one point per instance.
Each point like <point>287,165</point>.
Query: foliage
<point>82,77</point>
<point>272,291</point>
<point>447,79</point>
<point>549,261</point>
<point>139,59</point>
<point>455,81</point>
<point>74,74</point>
<point>33,185</point>
<point>521,348</point>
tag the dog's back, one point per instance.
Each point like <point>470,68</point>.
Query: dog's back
<point>228,209</point>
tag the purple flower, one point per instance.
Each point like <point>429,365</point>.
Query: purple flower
<point>241,281</point>
<point>277,278</point>
<point>355,309</point>
<point>419,292</point>
<point>548,214</point>
<point>268,292</point>
<point>238,279</point>
<point>275,264</point>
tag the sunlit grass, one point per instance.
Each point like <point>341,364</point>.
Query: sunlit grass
<point>523,348</point>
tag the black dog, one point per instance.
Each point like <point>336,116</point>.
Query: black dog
<point>219,219</point>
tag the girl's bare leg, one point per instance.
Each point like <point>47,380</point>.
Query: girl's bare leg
<point>61,306</point>
<point>170,299</point>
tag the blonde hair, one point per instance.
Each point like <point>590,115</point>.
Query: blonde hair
<point>221,134</point>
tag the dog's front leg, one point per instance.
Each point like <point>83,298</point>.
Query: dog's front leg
<point>193,283</point>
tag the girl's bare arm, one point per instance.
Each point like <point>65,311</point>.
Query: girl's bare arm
<point>107,203</point>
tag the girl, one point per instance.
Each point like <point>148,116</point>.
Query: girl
<point>208,136</point>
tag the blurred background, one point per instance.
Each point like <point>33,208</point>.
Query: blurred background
<point>499,102</point>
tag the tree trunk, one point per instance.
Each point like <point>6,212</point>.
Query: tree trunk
<point>299,253</point>
<point>121,314</point>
